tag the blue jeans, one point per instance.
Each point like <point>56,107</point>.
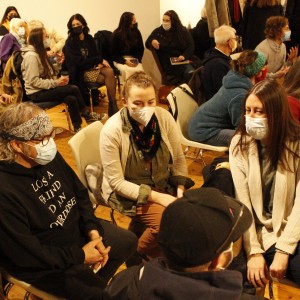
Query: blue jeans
<point>222,138</point>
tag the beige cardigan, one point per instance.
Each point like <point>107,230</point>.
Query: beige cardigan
<point>114,147</point>
<point>283,229</point>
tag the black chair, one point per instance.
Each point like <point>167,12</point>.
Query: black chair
<point>102,40</point>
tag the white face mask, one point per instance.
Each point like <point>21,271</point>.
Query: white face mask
<point>47,43</point>
<point>21,31</point>
<point>287,36</point>
<point>142,115</point>
<point>166,26</point>
<point>45,154</point>
<point>257,127</point>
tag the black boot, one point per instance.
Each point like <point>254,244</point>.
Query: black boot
<point>112,107</point>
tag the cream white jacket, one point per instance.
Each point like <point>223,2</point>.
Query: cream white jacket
<point>283,228</point>
<point>114,147</point>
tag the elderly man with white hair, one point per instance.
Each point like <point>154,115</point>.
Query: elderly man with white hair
<point>217,60</point>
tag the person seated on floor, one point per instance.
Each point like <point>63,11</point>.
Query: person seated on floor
<point>127,46</point>
<point>217,60</point>
<point>215,121</point>
<point>55,41</point>
<point>172,39</point>
<point>50,237</point>
<point>85,64</point>
<point>201,37</point>
<point>265,165</point>
<point>144,168</point>
<point>10,13</point>
<point>196,235</point>
<point>277,32</point>
<point>41,84</point>
<point>13,41</point>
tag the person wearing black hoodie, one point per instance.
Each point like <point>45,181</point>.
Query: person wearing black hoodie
<point>217,60</point>
<point>50,237</point>
<point>196,235</point>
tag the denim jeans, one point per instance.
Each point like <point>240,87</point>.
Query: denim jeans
<point>222,138</point>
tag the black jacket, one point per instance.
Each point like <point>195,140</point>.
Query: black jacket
<point>216,66</point>
<point>170,46</point>
<point>135,48</point>
<point>159,282</point>
<point>76,63</point>
<point>254,21</point>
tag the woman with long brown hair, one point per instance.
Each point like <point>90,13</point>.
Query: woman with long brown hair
<point>172,39</point>
<point>265,164</point>
<point>85,64</point>
<point>42,85</point>
<point>127,46</point>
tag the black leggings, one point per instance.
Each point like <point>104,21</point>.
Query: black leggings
<point>68,94</point>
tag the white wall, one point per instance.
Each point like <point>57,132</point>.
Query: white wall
<point>188,10</point>
<point>98,13</point>
<point>105,14</point>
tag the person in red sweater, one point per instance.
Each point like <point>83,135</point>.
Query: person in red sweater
<point>292,87</point>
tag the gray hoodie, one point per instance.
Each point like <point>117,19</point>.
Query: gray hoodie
<point>32,72</point>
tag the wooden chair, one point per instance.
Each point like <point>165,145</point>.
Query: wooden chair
<point>184,107</point>
<point>34,292</point>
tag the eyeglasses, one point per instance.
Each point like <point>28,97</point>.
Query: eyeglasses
<point>45,140</point>
<point>240,213</point>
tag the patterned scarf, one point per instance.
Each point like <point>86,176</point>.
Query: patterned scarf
<point>148,141</point>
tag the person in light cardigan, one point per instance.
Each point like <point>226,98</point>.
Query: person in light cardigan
<point>265,163</point>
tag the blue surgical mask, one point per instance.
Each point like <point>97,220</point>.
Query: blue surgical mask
<point>287,36</point>
<point>257,127</point>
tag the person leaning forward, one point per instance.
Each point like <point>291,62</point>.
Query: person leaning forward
<point>196,235</point>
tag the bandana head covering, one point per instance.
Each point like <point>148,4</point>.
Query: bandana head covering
<point>256,66</point>
<point>35,128</point>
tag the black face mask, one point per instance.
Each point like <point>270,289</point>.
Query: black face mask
<point>12,16</point>
<point>77,30</point>
<point>134,26</point>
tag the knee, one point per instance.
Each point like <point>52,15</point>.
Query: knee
<point>73,89</point>
<point>127,244</point>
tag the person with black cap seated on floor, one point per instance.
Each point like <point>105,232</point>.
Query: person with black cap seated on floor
<point>196,235</point>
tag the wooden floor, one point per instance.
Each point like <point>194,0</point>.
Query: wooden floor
<point>281,291</point>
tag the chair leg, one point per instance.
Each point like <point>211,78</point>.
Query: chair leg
<point>119,85</point>
<point>91,101</point>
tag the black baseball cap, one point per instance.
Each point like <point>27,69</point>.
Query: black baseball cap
<point>199,226</point>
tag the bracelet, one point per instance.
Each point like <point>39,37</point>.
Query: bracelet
<point>282,252</point>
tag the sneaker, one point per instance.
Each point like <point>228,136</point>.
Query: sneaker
<point>92,117</point>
